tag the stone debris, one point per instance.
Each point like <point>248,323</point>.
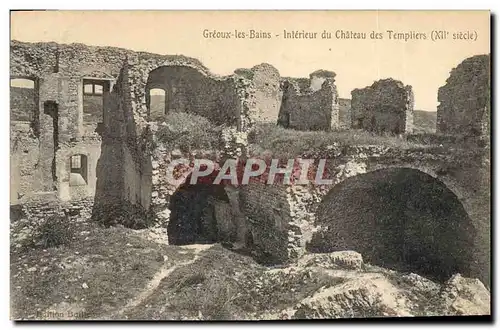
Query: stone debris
<point>465,296</point>
<point>336,260</point>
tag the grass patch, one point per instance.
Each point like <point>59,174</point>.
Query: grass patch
<point>290,143</point>
<point>100,269</point>
<point>223,285</point>
<point>205,289</point>
<point>186,132</point>
<point>55,231</point>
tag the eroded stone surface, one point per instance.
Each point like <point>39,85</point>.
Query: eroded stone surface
<point>465,106</point>
<point>385,106</point>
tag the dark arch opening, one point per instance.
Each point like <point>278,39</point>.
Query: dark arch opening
<point>402,219</point>
<point>200,214</point>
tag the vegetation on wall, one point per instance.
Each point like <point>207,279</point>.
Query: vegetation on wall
<point>186,132</point>
<point>290,143</point>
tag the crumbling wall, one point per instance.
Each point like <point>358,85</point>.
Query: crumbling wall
<point>62,127</point>
<point>232,91</point>
<point>264,93</point>
<point>123,191</point>
<point>164,184</point>
<point>22,104</point>
<point>24,154</point>
<point>268,215</point>
<point>464,102</point>
<point>465,173</point>
<point>310,104</point>
<point>189,90</point>
<point>385,106</point>
<point>58,125</point>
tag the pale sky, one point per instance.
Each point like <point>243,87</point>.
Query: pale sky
<point>424,64</point>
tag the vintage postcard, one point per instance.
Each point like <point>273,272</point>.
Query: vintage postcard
<point>249,165</point>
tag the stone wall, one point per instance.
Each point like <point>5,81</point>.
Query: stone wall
<point>39,209</point>
<point>24,155</point>
<point>385,106</point>
<point>22,104</point>
<point>464,102</point>
<point>27,220</point>
<point>234,88</point>
<point>264,92</point>
<point>268,216</point>
<point>310,104</point>
<point>464,174</point>
<point>189,90</point>
<point>58,125</point>
<point>115,142</point>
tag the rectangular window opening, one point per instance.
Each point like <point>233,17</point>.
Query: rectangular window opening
<point>78,170</point>
<point>94,93</point>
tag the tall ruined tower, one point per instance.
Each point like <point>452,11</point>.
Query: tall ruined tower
<point>464,101</point>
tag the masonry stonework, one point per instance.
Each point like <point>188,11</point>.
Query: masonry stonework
<point>265,94</point>
<point>113,168</point>
<point>385,106</point>
<point>464,102</point>
<point>310,104</point>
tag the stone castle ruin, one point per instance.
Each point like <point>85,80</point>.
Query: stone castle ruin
<point>84,142</point>
<point>464,102</point>
<point>385,106</point>
<point>310,104</point>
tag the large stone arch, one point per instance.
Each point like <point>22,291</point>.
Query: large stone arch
<point>397,217</point>
<point>192,91</point>
<point>140,66</point>
<point>469,180</point>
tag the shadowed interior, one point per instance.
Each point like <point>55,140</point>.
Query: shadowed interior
<point>195,210</point>
<point>402,219</point>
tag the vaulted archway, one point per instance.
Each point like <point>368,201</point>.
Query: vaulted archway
<point>398,218</point>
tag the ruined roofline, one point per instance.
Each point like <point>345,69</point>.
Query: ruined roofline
<point>170,60</point>
<point>480,58</point>
<point>472,59</point>
<point>475,57</point>
<point>381,82</point>
<point>141,54</point>
<point>300,88</point>
<point>323,74</point>
<point>112,48</point>
<point>311,75</point>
